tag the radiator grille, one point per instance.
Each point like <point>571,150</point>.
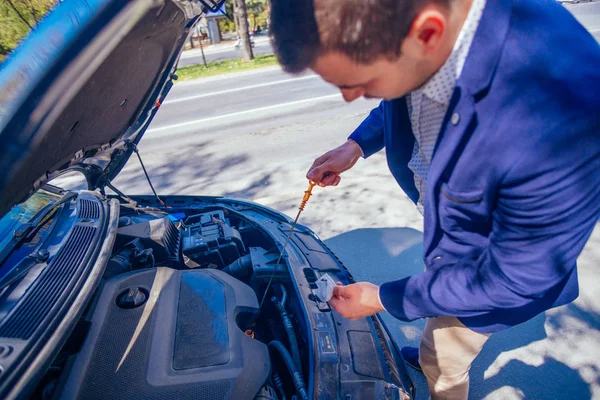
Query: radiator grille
<point>88,209</point>
<point>54,281</point>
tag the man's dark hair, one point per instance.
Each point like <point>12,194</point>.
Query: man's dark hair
<point>364,30</point>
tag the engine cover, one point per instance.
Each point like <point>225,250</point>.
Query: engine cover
<point>169,334</point>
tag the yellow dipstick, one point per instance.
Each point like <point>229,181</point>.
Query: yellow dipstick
<point>307,194</point>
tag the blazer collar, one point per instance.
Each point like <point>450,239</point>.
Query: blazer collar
<point>482,61</point>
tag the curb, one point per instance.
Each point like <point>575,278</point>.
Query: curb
<point>229,75</point>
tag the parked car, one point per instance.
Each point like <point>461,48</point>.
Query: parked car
<point>150,297</point>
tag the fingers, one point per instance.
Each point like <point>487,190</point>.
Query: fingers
<point>343,306</point>
<point>314,172</point>
<point>357,300</point>
<point>340,291</point>
<point>337,304</point>
<point>323,176</point>
<point>328,179</point>
<point>320,173</point>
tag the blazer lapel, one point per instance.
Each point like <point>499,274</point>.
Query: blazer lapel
<point>460,118</point>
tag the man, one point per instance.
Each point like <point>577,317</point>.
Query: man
<point>491,125</point>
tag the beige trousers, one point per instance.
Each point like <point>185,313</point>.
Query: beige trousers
<point>446,352</point>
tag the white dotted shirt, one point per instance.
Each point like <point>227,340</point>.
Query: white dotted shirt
<point>428,104</point>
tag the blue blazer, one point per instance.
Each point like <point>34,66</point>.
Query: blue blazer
<point>513,191</point>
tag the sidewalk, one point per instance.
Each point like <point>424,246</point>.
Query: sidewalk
<point>225,45</point>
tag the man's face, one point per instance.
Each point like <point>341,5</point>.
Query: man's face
<point>383,78</point>
<point>424,50</point>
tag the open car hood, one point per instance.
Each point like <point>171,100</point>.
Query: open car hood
<point>81,90</point>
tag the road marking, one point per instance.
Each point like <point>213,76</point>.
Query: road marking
<point>199,96</point>
<point>236,114</point>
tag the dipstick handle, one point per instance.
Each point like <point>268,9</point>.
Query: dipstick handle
<point>307,194</point>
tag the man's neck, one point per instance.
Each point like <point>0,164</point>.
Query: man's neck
<point>457,14</point>
<point>459,10</point>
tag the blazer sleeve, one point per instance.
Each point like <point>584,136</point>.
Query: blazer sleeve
<point>369,134</point>
<point>547,206</point>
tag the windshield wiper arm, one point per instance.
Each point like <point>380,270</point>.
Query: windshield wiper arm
<point>26,231</point>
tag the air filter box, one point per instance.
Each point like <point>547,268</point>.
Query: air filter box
<point>159,234</point>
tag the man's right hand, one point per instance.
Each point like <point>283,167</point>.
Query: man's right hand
<point>326,169</point>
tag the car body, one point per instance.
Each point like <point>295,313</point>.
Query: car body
<point>112,296</point>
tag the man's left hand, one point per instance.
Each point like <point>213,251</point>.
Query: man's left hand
<point>356,301</point>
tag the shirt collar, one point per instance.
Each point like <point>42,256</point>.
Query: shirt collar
<point>440,86</point>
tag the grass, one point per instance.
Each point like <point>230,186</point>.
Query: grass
<point>226,66</point>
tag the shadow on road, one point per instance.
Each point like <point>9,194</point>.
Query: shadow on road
<point>195,170</point>
<point>527,378</point>
<point>381,255</point>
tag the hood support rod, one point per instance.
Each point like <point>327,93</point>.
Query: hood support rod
<point>137,152</point>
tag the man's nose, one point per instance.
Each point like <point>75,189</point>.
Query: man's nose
<point>352,94</point>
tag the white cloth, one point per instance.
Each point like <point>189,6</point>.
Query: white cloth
<point>325,285</point>
<point>428,104</point>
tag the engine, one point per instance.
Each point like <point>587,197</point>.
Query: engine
<point>177,315</point>
<point>167,334</point>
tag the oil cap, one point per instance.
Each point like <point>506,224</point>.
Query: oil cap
<point>132,297</point>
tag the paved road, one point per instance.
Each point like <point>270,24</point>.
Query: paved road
<point>253,136</point>
<point>589,15</point>
<point>222,52</point>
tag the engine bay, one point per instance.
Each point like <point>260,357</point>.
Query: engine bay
<point>195,299</point>
<point>179,314</point>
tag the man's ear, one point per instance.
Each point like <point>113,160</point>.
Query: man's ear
<point>427,31</point>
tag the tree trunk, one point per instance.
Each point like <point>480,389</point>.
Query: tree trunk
<point>201,45</point>
<point>236,20</point>
<point>244,33</point>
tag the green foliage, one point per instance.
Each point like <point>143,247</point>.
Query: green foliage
<point>258,14</point>
<point>226,24</point>
<point>17,18</point>
<point>222,67</point>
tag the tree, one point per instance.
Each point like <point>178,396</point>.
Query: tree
<point>225,24</point>
<point>258,13</point>
<point>242,15</point>
<point>17,18</point>
<point>257,10</point>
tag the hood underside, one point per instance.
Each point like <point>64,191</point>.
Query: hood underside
<point>87,79</point>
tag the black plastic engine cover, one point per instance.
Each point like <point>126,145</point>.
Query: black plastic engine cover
<point>183,342</point>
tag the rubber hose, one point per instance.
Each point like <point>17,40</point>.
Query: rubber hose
<point>283,295</point>
<point>291,333</point>
<point>278,386</point>
<point>289,363</point>
<point>240,268</point>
